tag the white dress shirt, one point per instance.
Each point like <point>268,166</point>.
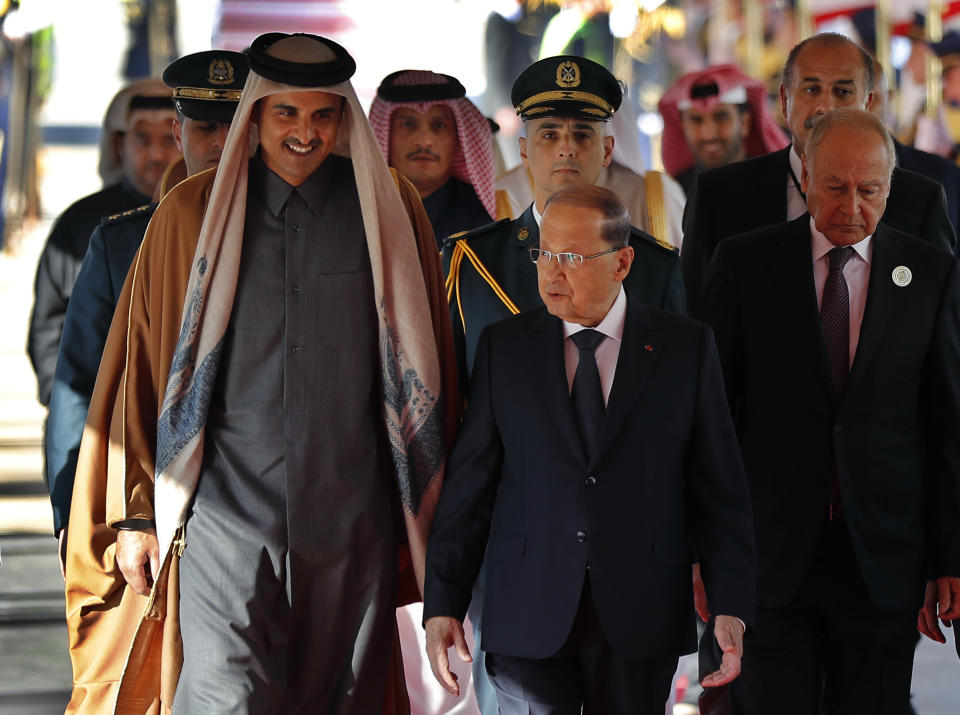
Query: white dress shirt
<point>856,273</point>
<point>796,203</point>
<point>607,352</point>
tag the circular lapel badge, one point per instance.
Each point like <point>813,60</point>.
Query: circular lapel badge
<point>902,276</point>
<point>523,234</point>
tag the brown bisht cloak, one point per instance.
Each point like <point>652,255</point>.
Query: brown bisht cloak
<point>125,648</point>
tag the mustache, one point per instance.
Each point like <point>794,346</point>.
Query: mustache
<point>575,165</point>
<point>810,122</point>
<point>423,152</point>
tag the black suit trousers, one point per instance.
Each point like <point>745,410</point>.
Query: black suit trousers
<point>585,673</point>
<point>829,650</point>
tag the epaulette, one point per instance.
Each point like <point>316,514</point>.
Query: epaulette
<point>476,232</point>
<point>658,242</point>
<point>129,214</point>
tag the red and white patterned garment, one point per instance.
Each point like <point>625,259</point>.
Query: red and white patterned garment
<point>765,135</point>
<point>474,162</point>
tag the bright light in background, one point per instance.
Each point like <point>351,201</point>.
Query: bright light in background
<point>393,36</point>
<point>650,124</point>
<point>900,48</point>
<point>651,5</point>
<point>623,18</point>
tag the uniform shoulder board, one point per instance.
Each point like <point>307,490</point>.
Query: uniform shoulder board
<point>658,242</point>
<point>476,232</point>
<point>129,214</point>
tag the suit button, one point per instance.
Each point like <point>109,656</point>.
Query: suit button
<point>591,481</point>
<point>581,536</point>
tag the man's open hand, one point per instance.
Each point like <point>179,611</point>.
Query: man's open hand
<point>442,633</point>
<point>729,633</point>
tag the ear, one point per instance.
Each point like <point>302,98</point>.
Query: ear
<point>804,174</point>
<point>746,121</point>
<point>869,103</point>
<point>177,127</point>
<point>118,144</point>
<point>783,101</point>
<point>607,149</point>
<point>522,141</point>
<point>624,261</point>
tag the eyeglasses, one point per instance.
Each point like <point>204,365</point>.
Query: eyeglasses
<point>566,260</point>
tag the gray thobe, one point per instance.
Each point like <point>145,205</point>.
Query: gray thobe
<point>288,579</point>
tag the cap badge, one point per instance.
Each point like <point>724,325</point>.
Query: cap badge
<point>568,74</point>
<point>902,276</point>
<point>523,234</point>
<point>221,72</point>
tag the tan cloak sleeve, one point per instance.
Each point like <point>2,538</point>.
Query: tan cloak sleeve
<point>115,634</point>
<point>114,477</point>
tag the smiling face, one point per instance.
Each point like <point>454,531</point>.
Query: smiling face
<point>564,151</point>
<point>716,136</point>
<point>826,75</point>
<point>847,181</point>
<point>579,295</point>
<point>422,146</point>
<point>298,130</point>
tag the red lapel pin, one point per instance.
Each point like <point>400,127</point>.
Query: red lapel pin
<point>648,348</point>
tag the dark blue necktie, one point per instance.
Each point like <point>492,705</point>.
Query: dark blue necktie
<point>587,393</point>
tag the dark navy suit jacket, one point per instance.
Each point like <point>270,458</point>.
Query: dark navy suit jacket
<point>112,248</point>
<point>667,480</point>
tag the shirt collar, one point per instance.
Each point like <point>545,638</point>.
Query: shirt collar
<point>821,245</point>
<point>536,214</point>
<point>276,191</point>
<point>612,323</point>
<point>796,165</point>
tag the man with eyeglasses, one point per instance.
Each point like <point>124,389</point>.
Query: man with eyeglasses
<point>587,493</point>
<point>565,103</point>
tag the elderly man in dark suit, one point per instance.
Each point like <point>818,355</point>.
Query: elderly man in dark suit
<point>840,340</point>
<point>821,73</point>
<point>589,476</point>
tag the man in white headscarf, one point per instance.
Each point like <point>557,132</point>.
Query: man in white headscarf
<point>273,408</point>
<point>136,146</point>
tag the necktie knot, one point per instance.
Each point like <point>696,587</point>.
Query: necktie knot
<point>839,256</point>
<point>587,339</point>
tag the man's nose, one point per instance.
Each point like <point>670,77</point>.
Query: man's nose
<point>708,131</point>
<point>566,146</point>
<point>220,139</point>
<point>306,130</point>
<point>851,204</point>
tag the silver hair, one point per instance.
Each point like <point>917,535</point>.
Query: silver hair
<point>856,119</point>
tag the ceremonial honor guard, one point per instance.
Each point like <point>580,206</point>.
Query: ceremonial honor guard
<point>565,103</point>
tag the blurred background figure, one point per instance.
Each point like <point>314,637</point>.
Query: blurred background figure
<point>715,117</point>
<point>136,146</point>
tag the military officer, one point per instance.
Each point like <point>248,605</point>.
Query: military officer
<point>206,89</point>
<point>565,103</point>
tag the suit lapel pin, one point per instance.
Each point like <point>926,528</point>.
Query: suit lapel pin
<point>648,348</point>
<point>902,276</point>
<point>523,234</point>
